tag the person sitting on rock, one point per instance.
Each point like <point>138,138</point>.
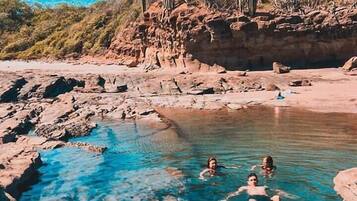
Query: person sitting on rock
<point>279,96</point>
<point>254,191</point>
<point>267,165</point>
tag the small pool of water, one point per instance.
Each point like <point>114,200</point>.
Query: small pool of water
<point>52,3</point>
<point>141,164</point>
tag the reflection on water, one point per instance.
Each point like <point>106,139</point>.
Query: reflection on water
<point>141,164</point>
<point>58,2</point>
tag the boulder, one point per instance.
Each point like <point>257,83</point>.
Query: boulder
<point>93,84</point>
<point>117,88</point>
<point>247,27</point>
<point>350,64</point>
<point>56,85</point>
<point>346,184</point>
<point>132,63</point>
<point>151,67</point>
<point>170,86</point>
<point>201,91</point>
<point>298,83</point>
<point>279,68</point>
<point>271,87</point>
<point>9,88</point>
<point>234,106</point>
<point>242,74</point>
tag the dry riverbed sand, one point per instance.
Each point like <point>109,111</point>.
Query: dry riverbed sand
<point>60,100</point>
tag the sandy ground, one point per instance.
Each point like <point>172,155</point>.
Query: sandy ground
<point>331,90</point>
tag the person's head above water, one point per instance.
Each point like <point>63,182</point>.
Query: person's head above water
<point>268,162</point>
<point>252,179</point>
<point>212,163</point>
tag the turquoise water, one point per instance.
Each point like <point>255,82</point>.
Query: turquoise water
<point>51,3</point>
<point>141,164</point>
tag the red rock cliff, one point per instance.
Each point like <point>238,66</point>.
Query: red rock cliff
<point>196,38</point>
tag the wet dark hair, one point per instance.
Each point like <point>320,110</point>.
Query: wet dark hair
<point>252,174</point>
<point>269,159</point>
<point>211,159</point>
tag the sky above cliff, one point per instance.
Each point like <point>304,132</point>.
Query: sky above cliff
<point>56,2</point>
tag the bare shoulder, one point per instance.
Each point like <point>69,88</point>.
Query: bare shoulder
<point>242,188</point>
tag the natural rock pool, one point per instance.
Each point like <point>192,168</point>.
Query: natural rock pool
<point>308,150</point>
<point>51,3</point>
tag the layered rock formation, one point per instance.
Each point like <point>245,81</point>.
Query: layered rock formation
<point>196,38</point>
<point>17,168</point>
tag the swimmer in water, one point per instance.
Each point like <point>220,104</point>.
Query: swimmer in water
<point>212,167</point>
<point>255,192</point>
<point>267,165</point>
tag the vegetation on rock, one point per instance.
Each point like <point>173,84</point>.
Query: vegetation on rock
<point>37,32</point>
<point>33,32</point>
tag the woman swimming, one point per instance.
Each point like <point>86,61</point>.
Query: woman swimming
<point>211,168</point>
<point>267,165</point>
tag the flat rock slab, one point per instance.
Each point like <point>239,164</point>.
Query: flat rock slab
<point>53,113</point>
<point>18,167</point>
<point>346,184</point>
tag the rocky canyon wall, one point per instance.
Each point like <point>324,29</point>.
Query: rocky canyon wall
<point>197,38</point>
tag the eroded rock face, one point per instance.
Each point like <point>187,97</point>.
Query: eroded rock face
<point>196,39</point>
<point>346,184</point>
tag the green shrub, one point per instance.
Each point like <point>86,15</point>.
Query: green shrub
<point>13,14</point>
<point>64,30</point>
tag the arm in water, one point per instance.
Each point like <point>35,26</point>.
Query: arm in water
<point>241,189</point>
<point>202,174</point>
<point>283,194</point>
<point>254,167</point>
<point>230,167</point>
